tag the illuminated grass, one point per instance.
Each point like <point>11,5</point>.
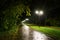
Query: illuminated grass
<point>51,32</point>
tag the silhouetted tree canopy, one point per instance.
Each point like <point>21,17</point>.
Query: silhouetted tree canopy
<point>11,12</point>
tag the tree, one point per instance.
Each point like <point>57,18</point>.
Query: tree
<point>10,12</point>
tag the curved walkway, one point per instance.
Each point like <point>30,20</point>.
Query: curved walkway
<point>28,34</point>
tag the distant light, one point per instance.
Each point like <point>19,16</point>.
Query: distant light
<point>41,13</point>
<point>36,12</point>
<point>26,19</point>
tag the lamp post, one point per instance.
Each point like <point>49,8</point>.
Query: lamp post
<point>39,13</point>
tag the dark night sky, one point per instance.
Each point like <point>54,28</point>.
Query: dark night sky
<point>50,7</point>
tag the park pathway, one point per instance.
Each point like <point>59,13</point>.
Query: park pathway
<point>29,34</point>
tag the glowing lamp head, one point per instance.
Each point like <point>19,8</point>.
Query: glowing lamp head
<point>41,13</point>
<point>36,12</point>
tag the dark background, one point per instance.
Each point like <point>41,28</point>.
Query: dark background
<point>51,10</point>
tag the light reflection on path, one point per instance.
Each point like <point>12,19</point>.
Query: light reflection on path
<point>25,30</point>
<point>39,36</point>
<point>35,35</point>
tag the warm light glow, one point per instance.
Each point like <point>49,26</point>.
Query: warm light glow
<point>36,12</point>
<point>41,12</point>
<point>26,19</point>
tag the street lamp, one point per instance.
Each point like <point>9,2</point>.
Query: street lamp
<point>39,12</point>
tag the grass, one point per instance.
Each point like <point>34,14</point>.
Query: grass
<point>52,32</point>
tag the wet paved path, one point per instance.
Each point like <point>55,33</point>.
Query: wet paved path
<point>28,34</point>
